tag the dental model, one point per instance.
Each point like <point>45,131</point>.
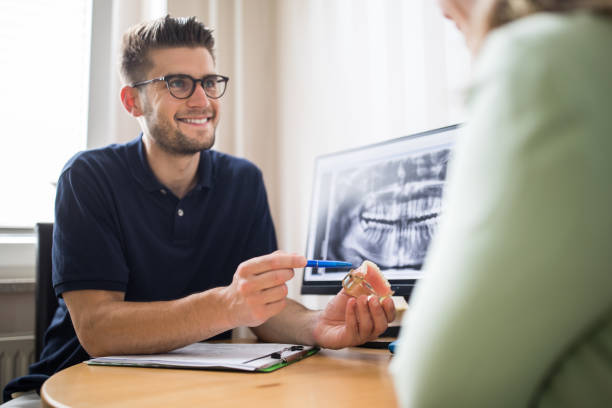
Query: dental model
<point>367,280</point>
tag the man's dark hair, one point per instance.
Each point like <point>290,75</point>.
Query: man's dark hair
<point>164,32</point>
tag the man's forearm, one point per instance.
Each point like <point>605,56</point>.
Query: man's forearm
<point>106,324</point>
<point>295,324</point>
<point>120,327</point>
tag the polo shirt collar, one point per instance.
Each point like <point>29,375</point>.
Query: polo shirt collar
<point>142,172</point>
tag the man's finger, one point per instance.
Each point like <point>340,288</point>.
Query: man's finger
<point>363,318</point>
<point>389,308</point>
<point>276,260</point>
<point>270,279</point>
<point>379,317</point>
<point>274,308</point>
<point>274,294</point>
<point>350,317</point>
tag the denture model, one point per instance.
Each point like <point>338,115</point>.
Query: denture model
<point>367,280</point>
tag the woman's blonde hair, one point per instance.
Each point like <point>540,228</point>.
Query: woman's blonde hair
<point>491,14</point>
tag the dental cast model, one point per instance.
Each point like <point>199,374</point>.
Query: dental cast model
<point>367,280</point>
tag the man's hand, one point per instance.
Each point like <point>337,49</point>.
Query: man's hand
<point>258,290</point>
<point>349,321</point>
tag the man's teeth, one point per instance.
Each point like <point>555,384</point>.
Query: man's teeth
<point>195,121</point>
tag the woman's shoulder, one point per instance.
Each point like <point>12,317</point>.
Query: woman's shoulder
<point>543,38</point>
<point>547,55</point>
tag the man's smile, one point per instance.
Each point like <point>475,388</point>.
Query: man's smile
<point>195,121</point>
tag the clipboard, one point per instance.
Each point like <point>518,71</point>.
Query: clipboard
<point>250,357</point>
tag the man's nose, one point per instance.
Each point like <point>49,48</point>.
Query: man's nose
<point>199,97</point>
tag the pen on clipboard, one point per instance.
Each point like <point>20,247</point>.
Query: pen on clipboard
<point>278,355</point>
<point>314,263</point>
<point>291,357</point>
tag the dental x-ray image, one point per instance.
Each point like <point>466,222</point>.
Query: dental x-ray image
<point>380,204</point>
<point>387,212</point>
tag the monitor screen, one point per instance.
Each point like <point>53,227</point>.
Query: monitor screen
<point>379,203</point>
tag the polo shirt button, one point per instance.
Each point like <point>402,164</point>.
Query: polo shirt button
<point>180,212</point>
<point>163,191</point>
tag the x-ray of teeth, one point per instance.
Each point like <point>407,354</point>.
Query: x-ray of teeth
<point>379,202</point>
<point>385,212</point>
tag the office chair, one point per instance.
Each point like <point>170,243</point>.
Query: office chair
<point>46,301</point>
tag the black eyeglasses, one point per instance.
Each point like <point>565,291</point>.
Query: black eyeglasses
<point>182,86</point>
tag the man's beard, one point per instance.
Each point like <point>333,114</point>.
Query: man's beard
<point>175,142</point>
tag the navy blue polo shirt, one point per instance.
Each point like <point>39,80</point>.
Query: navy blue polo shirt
<point>118,228</point>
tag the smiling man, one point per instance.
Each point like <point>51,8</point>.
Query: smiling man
<point>162,242</point>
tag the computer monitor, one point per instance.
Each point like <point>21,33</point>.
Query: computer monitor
<point>380,203</point>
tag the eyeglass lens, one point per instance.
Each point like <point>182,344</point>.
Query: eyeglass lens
<point>183,86</point>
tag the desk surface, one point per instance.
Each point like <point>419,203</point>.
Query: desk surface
<point>353,377</point>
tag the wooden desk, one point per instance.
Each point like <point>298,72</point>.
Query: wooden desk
<point>353,377</point>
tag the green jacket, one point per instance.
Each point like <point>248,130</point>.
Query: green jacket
<point>515,309</point>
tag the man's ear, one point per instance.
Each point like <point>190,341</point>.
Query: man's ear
<point>130,99</point>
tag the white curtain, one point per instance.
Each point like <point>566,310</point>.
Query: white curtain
<point>108,122</point>
<point>308,77</point>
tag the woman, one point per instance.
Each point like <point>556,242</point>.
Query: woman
<point>516,306</point>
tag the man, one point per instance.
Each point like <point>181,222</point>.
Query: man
<point>161,242</point>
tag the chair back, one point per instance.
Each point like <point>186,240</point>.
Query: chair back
<point>46,301</point>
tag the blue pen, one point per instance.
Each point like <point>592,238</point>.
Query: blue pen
<point>314,263</point>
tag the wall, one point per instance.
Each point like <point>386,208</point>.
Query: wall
<point>17,284</point>
<point>17,304</point>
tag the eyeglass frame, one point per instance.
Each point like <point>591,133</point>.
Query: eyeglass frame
<point>167,78</point>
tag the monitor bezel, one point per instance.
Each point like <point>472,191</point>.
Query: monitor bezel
<point>400,287</point>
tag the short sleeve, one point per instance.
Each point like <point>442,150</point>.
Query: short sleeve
<point>87,250</point>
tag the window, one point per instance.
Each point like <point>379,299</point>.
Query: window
<point>44,63</point>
